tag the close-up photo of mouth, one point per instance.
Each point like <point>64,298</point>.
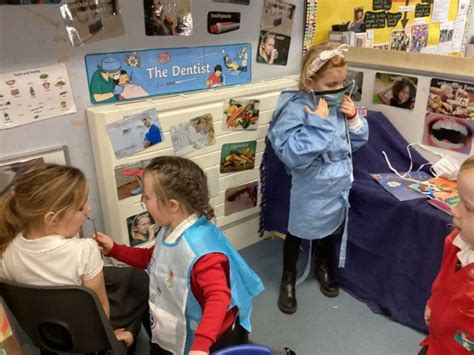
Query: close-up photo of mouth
<point>448,133</point>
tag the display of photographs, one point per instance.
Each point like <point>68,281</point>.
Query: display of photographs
<point>277,17</point>
<point>385,46</point>
<point>273,48</point>
<point>419,37</point>
<point>400,40</point>
<point>91,21</point>
<point>452,98</point>
<point>240,198</point>
<point>141,228</point>
<point>195,134</point>
<point>168,18</point>
<point>355,79</point>
<point>128,178</point>
<point>135,133</point>
<point>222,22</point>
<point>448,132</point>
<point>446,35</point>
<point>238,2</point>
<point>241,114</point>
<point>10,166</point>
<point>395,90</point>
<point>238,156</point>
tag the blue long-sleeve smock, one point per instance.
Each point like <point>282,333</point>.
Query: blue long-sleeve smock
<point>317,155</point>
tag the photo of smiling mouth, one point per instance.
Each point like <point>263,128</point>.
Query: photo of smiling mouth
<point>449,134</point>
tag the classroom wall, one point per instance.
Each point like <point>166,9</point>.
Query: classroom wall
<point>34,36</point>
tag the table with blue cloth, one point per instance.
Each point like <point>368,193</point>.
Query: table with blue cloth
<point>395,248</point>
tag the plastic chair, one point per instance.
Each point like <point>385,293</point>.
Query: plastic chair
<point>65,319</point>
<point>245,349</point>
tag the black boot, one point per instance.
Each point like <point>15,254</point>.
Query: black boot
<point>327,283</point>
<point>287,298</point>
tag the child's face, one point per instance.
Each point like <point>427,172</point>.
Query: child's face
<point>331,79</point>
<point>463,212</point>
<point>269,46</point>
<point>404,94</point>
<point>143,226</point>
<point>123,79</point>
<point>158,209</point>
<point>73,219</point>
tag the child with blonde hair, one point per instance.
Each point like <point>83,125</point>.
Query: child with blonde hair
<point>201,290</point>
<point>449,313</point>
<point>40,215</point>
<point>311,136</point>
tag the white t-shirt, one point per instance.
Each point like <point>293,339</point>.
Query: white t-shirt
<point>51,261</point>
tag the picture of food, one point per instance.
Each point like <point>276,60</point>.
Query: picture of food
<point>10,82</point>
<point>241,198</point>
<point>451,98</point>
<point>238,156</point>
<point>241,114</point>
<point>44,76</point>
<point>60,84</point>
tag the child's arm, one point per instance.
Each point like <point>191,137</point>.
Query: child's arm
<point>136,257</point>
<point>358,126</point>
<point>97,284</point>
<point>210,286</point>
<point>382,94</point>
<point>298,136</point>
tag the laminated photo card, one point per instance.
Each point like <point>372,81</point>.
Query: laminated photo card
<point>135,133</point>
<point>195,134</point>
<point>395,90</point>
<point>141,229</point>
<point>241,114</point>
<point>168,18</point>
<point>241,198</point>
<point>128,178</point>
<point>238,156</point>
<point>400,40</point>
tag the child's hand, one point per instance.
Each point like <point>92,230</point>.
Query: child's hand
<point>348,107</point>
<point>124,335</point>
<point>198,352</point>
<point>427,315</point>
<point>105,243</point>
<point>322,110</point>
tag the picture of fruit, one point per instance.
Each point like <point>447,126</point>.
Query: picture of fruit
<point>241,114</point>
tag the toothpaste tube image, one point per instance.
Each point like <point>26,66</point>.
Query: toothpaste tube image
<point>222,27</point>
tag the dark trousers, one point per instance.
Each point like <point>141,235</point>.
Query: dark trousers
<point>324,249</point>
<point>235,335</point>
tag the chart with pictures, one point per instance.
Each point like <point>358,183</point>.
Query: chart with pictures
<point>33,95</point>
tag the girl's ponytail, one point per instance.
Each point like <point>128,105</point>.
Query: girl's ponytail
<point>10,224</point>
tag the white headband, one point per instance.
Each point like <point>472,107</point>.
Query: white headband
<point>325,56</point>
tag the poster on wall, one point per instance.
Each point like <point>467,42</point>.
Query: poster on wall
<point>141,228</point>
<point>222,22</point>
<point>395,90</point>
<point>135,133</point>
<point>128,178</point>
<point>400,40</point>
<point>168,18</point>
<point>91,21</point>
<point>241,114</point>
<point>449,123</point>
<point>32,95</point>
<point>119,76</point>
<point>275,32</point>
<point>238,156</point>
<point>241,198</point>
<point>419,37</point>
<point>195,134</point>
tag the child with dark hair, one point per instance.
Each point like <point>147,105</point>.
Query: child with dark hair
<point>403,92</point>
<point>201,290</point>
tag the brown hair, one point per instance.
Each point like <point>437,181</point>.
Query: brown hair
<point>183,180</point>
<point>467,164</point>
<point>400,85</point>
<point>310,56</point>
<point>41,189</point>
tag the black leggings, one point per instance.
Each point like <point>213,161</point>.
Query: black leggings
<point>233,336</point>
<point>291,248</point>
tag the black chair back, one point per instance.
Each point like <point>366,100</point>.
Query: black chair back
<point>63,319</point>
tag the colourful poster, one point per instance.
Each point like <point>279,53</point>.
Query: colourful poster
<point>118,76</point>
<point>241,114</point>
<point>32,95</point>
<point>197,133</point>
<point>141,228</point>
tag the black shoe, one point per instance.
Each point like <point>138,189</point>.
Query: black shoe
<point>327,283</point>
<point>287,298</point>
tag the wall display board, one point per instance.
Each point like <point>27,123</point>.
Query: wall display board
<point>121,76</point>
<point>386,20</point>
<point>119,179</point>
